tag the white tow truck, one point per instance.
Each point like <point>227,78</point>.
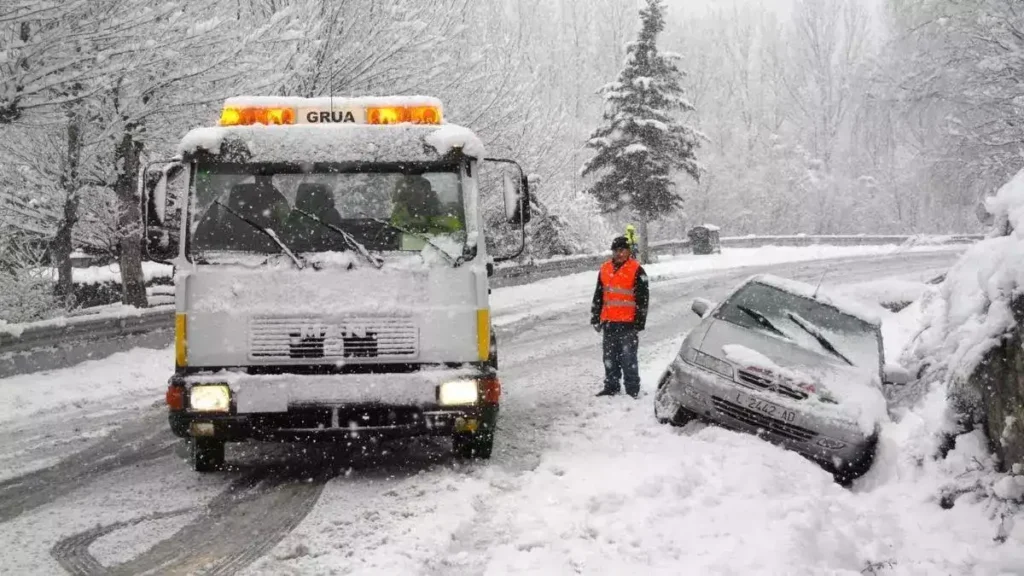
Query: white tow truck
<point>331,274</point>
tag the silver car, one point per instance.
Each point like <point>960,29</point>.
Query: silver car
<point>779,360</point>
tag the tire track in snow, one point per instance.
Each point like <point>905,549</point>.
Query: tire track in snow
<point>137,441</point>
<point>72,553</point>
<point>237,527</point>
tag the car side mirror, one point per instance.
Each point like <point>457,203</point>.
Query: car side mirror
<point>163,191</point>
<point>896,374</point>
<point>701,306</point>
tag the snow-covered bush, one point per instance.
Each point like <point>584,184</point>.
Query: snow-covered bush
<point>26,293</point>
<point>971,334</point>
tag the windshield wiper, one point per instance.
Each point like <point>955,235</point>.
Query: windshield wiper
<point>813,331</point>
<point>350,240</point>
<point>762,320</point>
<point>453,261</point>
<point>269,233</point>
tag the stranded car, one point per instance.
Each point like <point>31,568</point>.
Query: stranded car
<point>782,361</point>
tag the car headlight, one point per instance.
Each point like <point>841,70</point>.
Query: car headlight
<point>690,355</point>
<point>714,364</point>
<point>210,398</point>
<point>457,392</point>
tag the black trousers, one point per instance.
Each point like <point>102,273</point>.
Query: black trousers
<point>621,342</point>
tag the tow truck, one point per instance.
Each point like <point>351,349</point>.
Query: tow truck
<point>331,274</point>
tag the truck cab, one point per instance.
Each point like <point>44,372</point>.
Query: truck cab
<point>331,274</point>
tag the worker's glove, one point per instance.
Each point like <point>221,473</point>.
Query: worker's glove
<point>598,326</point>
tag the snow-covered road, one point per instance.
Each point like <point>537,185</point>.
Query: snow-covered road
<point>577,485</point>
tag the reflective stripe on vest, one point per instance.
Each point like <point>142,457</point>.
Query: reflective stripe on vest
<point>619,295</point>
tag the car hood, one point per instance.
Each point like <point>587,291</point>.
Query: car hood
<point>856,389</point>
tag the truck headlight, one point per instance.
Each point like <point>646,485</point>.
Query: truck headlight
<point>457,392</point>
<point>212,398</point>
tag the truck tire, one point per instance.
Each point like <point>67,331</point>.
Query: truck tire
<point>206,454</point>
<point>473,446</point>
<point>492,359</point>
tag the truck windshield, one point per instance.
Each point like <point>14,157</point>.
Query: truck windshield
<point>401,211</point>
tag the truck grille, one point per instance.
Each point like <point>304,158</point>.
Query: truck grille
<point>769,384</point>
<point>341,338</point>
<point>747,416</point>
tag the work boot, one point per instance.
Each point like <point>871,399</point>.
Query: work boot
<point>634,395</point>
<point>607,392</point>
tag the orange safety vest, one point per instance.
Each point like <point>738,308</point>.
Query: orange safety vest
<point>619,294</point>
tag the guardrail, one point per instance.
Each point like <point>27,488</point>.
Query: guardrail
<point>57,337</point>
<point>55,332</point>
<point>531,272</point>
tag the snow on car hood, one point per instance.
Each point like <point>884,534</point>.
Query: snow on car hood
<point>855,389</point>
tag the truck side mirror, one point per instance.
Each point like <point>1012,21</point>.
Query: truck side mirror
<point>517,195</point>
<point>164,189</point>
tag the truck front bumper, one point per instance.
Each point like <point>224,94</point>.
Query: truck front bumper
<point>337,407</point>
<point>335,423</point>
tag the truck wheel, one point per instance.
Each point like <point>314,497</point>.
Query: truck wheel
<point>206,454</point>
<point>471,445</point>
<point>492,359</point>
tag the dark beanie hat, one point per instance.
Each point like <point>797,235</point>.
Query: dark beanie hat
<point>620,242</point>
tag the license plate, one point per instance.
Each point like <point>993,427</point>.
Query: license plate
<point>766,408</point>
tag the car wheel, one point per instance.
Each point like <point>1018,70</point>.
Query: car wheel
<point>682,417</point>
<point>473,445</point>
<point>206,454</point>
<point>666,410</point>
<point>847,474</point>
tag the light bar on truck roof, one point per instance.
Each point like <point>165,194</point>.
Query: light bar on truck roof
<point>249,116</point>
<point>399,114</point>
<point>284,111</point>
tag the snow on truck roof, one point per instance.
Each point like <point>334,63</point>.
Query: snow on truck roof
<point>368,129</point>
<point>852,307</point>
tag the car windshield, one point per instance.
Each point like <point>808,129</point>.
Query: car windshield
<point>806,322</point>
<point>325,209</point>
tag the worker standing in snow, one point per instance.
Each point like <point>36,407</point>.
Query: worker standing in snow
<point>619,311</point>
<point>631,237</point>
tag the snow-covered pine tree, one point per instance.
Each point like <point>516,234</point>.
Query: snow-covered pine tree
<point>643,142</point>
